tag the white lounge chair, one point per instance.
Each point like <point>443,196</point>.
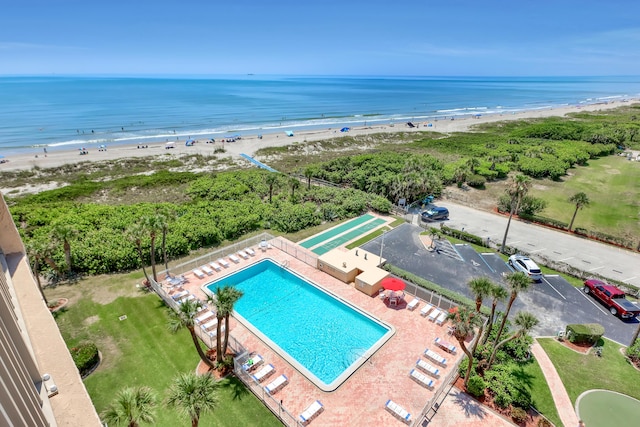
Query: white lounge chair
<point>209,325</point>
<point>179,295</point>
<point>441,318</point>
<point>215,266</point>
<point>205,317</point>
<point>421,378</point>
<point>434,315</point>
<point>213,332</point>
<point>413,304</point>
<point>398,410</point>
<point>207,270</point>
<point>243,254</point>
<point>435,357</point>
<point>223,262</point>
<point>252,363</point>
<point>263,373</point>
<point>198,273</point>
<point>189,297</point>
<point>250,251</point>
<point>426,309</point>
<point>445,345</point>
<point>276,384</point>
<point>311,412</point>
<point>234,258</point>
<point>425,367</point>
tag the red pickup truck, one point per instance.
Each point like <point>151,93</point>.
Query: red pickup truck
<point>612,297</point>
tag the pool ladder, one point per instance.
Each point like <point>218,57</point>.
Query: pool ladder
<point>284,264</point>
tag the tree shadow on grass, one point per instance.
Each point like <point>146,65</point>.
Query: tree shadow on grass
<point>238,388</point>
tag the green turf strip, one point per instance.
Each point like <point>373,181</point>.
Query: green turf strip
<point>335,231</point>
<point>320,250</point>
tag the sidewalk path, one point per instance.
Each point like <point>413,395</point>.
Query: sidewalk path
<point>558,392</point>
<point>586,255</point>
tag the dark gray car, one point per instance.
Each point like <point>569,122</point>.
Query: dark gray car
<point>435,213</point>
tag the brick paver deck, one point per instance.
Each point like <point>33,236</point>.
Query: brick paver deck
<point>359,401</point>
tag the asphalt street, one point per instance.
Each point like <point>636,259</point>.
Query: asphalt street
<point>553,301</point>
<point>586,255</point>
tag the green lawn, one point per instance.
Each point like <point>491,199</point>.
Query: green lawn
<point>141,351</point>
<point>580,373</point>
<point>612,186</point>
<point>532,376</point>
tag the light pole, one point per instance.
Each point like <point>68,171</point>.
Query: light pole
<point>381,247</point>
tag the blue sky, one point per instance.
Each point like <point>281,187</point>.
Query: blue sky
<point>321,37</point>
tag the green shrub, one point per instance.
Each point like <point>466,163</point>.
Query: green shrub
<point>476,386</point>
<point>543,422</point>
<point>633,352</point>
<point>519,415</point>
<point>476,181</point>
<point>584,333</point>
<point>85,356</point>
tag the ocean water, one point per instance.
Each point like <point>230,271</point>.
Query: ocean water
<point>70,112</point>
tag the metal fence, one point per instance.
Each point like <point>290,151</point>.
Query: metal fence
<point>275,405</point>
<point>220,253</point>
<point>295,251</point>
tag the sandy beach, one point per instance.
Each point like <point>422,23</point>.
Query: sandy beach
<point>249,144</point>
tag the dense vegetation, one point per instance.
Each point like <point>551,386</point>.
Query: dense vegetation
<point>97,209</point>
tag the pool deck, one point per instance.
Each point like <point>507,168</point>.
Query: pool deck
<point>361,399</point>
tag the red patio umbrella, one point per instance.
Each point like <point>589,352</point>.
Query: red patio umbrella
<point>393,284</point>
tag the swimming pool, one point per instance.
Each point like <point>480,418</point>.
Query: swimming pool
<point>322,336</point>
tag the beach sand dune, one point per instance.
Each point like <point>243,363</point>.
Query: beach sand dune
<point>251,143</point>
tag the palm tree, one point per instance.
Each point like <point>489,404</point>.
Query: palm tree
<point>309,171</point>
<point>185,317</point>
<point>163,223</point>
<point>193,395</point>
<point>481,288</point>
<point>525,322</point>
<point>63,233</point>
<point>271,179</point>
<point>518,282</point>
<point>581,200</point>
<point>464,320</point>
<point>134,233</point>
<point>152,224</point>
<point>224,301</point>
<point>131,407</point>
<point>498,293</point>
<point>516,191</point>
<point>295,184</point>
<point>38,252</point>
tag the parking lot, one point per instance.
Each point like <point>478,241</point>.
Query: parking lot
<point>553,301</point>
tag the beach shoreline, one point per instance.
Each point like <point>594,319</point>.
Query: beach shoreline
<point>249,144</point>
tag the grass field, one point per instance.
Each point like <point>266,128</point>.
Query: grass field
<point>140,350</point>
<point>612,186</point>
<point>603,408</point>
<point>580,373</point>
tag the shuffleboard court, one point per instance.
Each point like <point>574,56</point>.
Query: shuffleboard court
<point>607,408</point>
<point>323,249</point>
<point>329,234</point>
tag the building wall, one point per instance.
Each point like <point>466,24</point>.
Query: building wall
<point>31,346</point>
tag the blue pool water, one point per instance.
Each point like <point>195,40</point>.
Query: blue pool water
<point>326,338</point>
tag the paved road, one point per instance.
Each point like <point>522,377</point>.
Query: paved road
<point>586,255</point>
<point>553,301</point>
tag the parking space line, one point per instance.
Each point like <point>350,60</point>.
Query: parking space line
<point>588,298</point>
<point>596,268</point>
<point>538,250</point>
<point>552,287</point>
<point>564,259</point>
<point>485,261</point>
<point>630,278</point>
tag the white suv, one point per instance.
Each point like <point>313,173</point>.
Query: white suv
<point>527,266</point>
